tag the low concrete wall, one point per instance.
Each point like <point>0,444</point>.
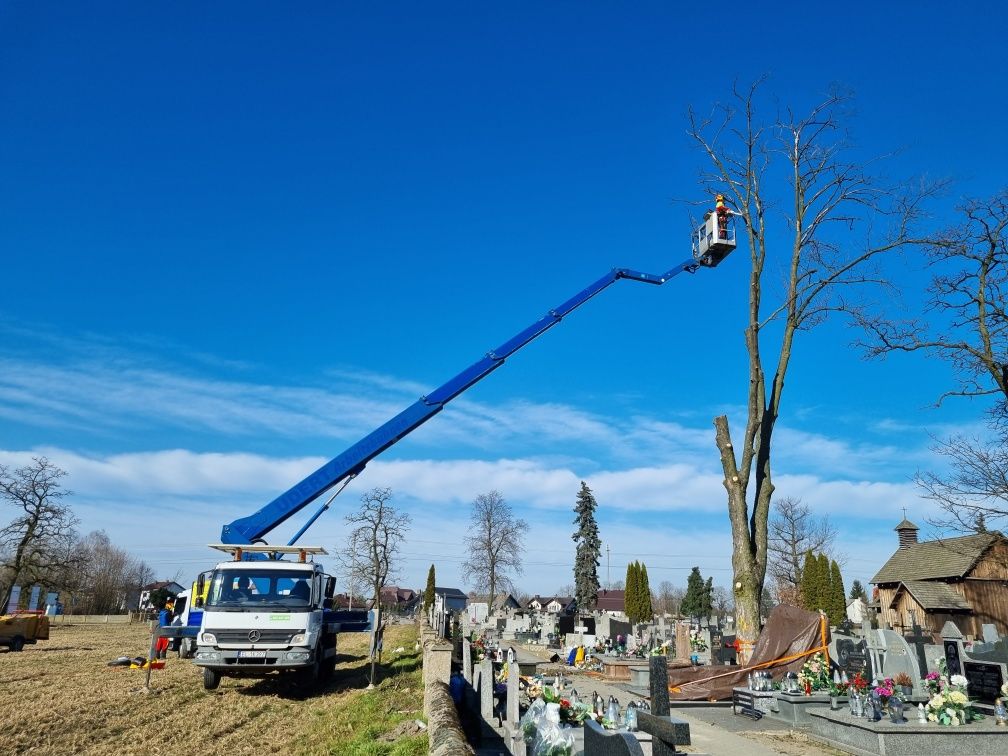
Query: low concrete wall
<point>444,730</point>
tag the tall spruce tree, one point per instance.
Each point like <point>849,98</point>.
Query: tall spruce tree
<point>693,602</point>
<point>588,550</point>
<point>428,596</point>
<point>857,591</point>
<point>838,601</point>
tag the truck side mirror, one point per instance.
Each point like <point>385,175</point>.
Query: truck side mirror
<point>330,586</point>
<point>327,603</point>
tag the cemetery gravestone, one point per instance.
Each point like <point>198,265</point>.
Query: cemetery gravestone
<point>899,659</point>
<point>682,641</point>
<point>851,655</point>
<point>919,640</point>
<point>984,680</point>
<point>952,640</point>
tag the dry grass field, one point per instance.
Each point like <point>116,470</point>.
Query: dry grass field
<point>59,696</point>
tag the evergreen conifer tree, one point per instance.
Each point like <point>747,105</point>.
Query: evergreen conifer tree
<point>588,549</point>
<point>809,582</point>
<point>428,596</point>
<point>646,608</point>
<point>630,593</point>
<point>825,579</point>
<point>857,591</point>
<point>693,602</point>
<point>838,601</point>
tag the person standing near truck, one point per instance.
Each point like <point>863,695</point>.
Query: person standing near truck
<point>164,620</point>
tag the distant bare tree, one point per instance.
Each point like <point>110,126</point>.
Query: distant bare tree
<point>371,551</point>
<point>966,325</point>
<point>818,271</point>
<point>495,544</point>
<point>966,320</point>
<point>109,578</point>
<point>669,598</point>
<point>792,531</point>
<point>38,543</point>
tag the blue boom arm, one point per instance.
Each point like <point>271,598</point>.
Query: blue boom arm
<point>350,463</point>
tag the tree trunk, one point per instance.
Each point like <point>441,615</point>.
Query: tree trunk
<point>748,585</point>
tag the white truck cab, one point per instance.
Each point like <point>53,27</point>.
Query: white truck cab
<point>268,615</point>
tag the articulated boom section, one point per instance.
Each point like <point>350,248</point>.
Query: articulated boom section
<point>352,461</point>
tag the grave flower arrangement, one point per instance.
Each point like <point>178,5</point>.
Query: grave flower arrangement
<point>858,683</point>
<point>932,682</point>
<point>696,641</point>
<point>885,690</point>
<point>574,714</point>
<point>814,674</point>
<point>951,706</point>
<point>479,649</point>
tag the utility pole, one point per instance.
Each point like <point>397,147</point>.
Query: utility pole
<point>608,582</point>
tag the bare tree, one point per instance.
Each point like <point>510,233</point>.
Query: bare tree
<point>38,543</point>
<point>108,577</point>
<point>966,319</point>
<point>369,556</point>
<point>964,324</point>
<point>793,530</point>
<point>669,597</point>
<point>819,272</point>
<point>495,544</point>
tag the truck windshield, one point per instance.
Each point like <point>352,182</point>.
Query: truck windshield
<point>259,588</point>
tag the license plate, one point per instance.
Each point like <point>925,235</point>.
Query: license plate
<point>251,654</point>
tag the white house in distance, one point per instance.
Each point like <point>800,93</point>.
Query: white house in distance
<point>553,604</point>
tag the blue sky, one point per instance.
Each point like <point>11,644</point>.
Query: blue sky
<point>237,238</point>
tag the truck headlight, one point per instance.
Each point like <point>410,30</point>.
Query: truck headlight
<point>208,656</point>
<point>299,639</point>
<point>210,639</point>
<point>298,655</point>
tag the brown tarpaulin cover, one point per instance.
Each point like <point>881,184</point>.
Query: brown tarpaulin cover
<point>789,631</point>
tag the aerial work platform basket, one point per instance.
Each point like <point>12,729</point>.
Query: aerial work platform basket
<point>714,240</point>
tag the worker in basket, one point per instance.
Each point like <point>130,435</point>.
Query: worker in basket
<point>722,216</point>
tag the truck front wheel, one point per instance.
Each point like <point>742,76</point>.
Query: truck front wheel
<point>312,674</point>
<point>17,644</point>
<point>211,678</point>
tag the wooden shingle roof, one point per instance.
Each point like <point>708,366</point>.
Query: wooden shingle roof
<point>935,560</point>
<point>934,595</point>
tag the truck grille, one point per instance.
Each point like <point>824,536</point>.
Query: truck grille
<point>281,637</point>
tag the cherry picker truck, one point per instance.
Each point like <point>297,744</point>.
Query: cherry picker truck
<point>262,614</point>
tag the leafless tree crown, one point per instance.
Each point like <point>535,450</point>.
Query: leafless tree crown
<point>377,533</point>
<point>818,266</point>
<point>38,544</point>
<point>495,544</point>
<point>793,530</point>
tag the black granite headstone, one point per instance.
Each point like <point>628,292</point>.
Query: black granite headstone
<point>984,680</point>
<point>658,669</point>
<point>853,657</point>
